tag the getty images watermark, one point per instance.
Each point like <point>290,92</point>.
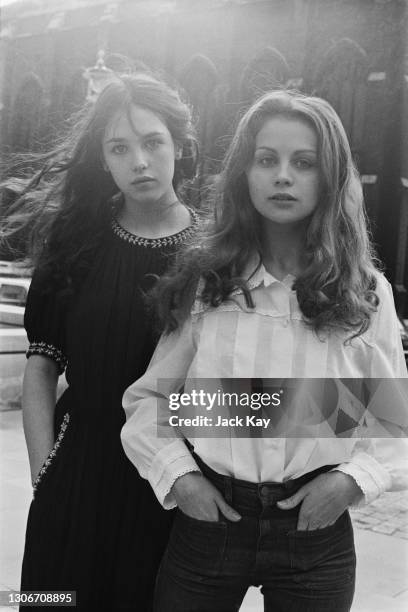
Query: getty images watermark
<point>198,398</point>
<point>290,408</point>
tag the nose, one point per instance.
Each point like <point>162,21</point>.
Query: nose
<point>283,175</point>
<point>140,161</point>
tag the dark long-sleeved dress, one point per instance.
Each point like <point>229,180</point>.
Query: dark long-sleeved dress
<point>94,525</point>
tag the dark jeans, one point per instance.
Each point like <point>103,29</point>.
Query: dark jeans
<point>208,566</point>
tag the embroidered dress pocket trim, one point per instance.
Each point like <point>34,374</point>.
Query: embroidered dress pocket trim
<point>52,454</point>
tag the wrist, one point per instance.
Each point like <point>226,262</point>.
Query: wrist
<point>185,481</point>
<point>352,490</point>
<point>186,486</point>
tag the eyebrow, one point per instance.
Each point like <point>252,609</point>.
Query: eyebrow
<point>122,138</point>
<point>297,151</point>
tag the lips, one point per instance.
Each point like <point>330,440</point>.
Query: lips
<point>283,197</point>
<point>142,180</point>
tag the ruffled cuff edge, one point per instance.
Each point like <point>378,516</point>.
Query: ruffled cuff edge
<point>371,477</point>
<point>170,464</point>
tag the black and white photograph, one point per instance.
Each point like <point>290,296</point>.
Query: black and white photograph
<point>204,305</point>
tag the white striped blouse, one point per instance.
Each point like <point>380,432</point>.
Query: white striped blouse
<point>271,340</point>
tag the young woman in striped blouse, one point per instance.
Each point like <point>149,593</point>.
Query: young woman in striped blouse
<point>281,285</point>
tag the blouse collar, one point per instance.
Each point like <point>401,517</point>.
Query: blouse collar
<point>257,275</point>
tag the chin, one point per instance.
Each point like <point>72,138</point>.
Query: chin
<point>144,197</point>
<point>284,220</point>
<point>280,219</point>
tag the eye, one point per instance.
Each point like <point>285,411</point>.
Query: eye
<point>119,149</point>
<point>265,161</point>
<point>304,163</point>
<point>153,144</point>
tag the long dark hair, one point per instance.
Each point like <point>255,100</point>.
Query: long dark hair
<point>64,208</point>
<point>336,289</point>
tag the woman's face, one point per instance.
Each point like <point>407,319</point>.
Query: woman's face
<point>140,156</point>
<point>283,177</point>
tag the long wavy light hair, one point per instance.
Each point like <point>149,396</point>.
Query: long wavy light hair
<point>63,209</point>
<point>337,287</point>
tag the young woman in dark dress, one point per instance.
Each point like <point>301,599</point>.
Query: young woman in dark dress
<point>110,221</point>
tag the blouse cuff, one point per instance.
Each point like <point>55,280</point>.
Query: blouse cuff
<point>369,475</point>
<point>169,464</point>
<point>48,350</point>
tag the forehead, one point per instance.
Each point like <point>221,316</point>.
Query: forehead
<point>134,121</point>
<point>291,132</point>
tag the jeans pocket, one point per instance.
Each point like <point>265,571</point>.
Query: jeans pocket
<point>197,547</point>
<point>322,558</point>
<point>193,520</point>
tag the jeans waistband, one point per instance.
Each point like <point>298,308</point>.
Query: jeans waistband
<point>255,495</point>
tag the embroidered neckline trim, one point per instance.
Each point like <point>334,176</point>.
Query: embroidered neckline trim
<point>155,243</point>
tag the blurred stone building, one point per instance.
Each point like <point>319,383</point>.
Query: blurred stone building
<point>224,53</point>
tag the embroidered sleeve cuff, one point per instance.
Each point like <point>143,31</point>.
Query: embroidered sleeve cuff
<point>370,476</point>
<point>48,350</point>
<point>169,464</point>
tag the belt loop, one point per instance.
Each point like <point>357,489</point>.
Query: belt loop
<point>228,490</point>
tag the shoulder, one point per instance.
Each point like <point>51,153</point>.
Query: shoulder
<point>384,334</point>
<point>383,291</point>
<point>385,318</point>
<point>383,286</point>
<point>42,280</point>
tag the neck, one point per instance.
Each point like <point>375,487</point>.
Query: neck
<point>155,219</point>
<point>283,249</point>
<point>134,215</point>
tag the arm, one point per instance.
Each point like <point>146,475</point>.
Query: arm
<point>160,459</point>
<point>158,450</point>
<point>44,320</point>
<point>39,398</point>
<point>380,461</point>
<point>376,464</point>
